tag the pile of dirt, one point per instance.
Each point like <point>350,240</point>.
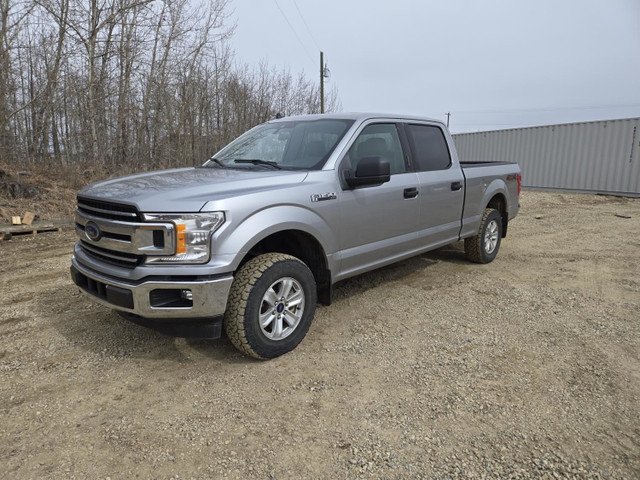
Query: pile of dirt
<point>12,187</point>
<point>47,194</point>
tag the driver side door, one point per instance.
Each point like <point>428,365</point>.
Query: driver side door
<point>378,223</point>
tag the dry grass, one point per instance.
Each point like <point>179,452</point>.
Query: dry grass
<point>49,191</point>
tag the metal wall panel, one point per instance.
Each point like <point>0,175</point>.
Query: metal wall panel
<point>592,157</point>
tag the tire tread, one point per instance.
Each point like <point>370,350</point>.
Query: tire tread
<point>473,245</point>
<point>245,280</point>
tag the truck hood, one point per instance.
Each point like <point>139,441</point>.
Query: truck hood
<point>188,189</point>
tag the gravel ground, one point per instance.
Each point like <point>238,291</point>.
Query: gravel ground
<point>528,367</point>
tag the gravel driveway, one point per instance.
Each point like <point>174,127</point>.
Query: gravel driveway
<point>528,367</point>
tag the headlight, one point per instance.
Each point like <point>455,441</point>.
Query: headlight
<point>192,235</point>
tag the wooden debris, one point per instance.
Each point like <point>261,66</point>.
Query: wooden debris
<point>28,217</point>
<point>16,221</point>
<point>620,215</point>
<point>8,231</point>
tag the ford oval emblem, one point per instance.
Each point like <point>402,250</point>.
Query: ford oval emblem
<point>92,231</point>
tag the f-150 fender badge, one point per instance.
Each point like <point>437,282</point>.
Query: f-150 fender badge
<point>321,197</point>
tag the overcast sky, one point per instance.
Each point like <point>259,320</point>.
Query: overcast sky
<point>491,63</point>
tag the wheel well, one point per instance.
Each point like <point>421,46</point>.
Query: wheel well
<point>500,203</point>
<point>303,246</point>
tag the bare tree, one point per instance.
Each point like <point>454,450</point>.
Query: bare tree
<point>119,85</point>
<point>13,15</point>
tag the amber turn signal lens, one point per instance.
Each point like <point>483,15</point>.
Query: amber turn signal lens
<point>181,240</point>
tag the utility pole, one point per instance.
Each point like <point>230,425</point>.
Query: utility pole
<point>448,114</point>
<point>324,73</point>
<point>321,82</point>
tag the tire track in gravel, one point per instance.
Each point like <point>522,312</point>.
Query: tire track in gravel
<point>527,367</point>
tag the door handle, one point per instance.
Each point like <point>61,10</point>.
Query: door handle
<point>410,192</point>
<point>456,186</point>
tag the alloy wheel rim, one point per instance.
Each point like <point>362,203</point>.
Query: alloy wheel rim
<point>491,237</point>
<point>281,308</point>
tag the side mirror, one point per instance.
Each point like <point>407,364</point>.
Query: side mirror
<point>369,171</point>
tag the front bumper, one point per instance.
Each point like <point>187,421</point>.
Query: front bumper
<point>156,299</point>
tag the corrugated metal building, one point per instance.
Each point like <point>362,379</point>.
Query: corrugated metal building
<point>591,157</point>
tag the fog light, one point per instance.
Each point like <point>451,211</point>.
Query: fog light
<point>170,298</point>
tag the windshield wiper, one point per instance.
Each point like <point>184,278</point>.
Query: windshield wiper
<point>218,162</point>
<point>257,161</point>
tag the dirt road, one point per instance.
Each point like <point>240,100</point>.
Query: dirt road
<point>528,367</point>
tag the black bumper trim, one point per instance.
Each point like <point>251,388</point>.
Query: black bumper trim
<point>116,296</point>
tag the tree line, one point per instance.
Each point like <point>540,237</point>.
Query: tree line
<point>131,84</point>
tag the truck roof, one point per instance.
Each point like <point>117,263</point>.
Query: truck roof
<point>357,116</point>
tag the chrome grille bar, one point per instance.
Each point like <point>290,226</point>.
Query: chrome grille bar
<point>105,253</point>
<point>109,212</point>
<point>116,233</point>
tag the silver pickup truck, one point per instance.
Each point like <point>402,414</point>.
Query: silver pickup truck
<point>250,241</point>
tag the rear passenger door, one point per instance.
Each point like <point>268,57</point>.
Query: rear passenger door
<point>378,222</point>
<point>441,185</point>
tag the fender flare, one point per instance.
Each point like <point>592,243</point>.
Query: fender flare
<point>496,187</point>
<point>260,225</point>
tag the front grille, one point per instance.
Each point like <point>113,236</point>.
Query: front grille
<point>108,210</point>
<point>116,233</point>
<point>120,259</point>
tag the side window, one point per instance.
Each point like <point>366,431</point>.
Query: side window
<point>378,140</point>
<point>430,148</point>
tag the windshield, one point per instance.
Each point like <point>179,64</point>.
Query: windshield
<point>294,145</point>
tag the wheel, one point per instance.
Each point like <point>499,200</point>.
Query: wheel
<point>484,246</point>
<point>271,305</point>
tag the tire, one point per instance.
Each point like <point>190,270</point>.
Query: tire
<point>278,289</point>
<point>484,246</point>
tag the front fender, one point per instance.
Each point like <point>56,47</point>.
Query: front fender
<point>259,225</point>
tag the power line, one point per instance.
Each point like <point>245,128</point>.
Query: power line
<point>306,25</point>
<point>294,32</point>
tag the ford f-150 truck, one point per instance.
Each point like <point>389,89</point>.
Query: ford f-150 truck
<point>251,240</point>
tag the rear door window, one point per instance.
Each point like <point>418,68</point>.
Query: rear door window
<point>430,151</point>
